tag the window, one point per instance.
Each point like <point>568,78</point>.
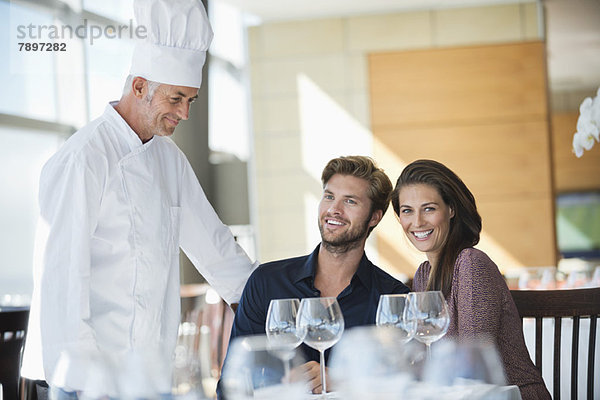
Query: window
<point>23,153</point>
<point>27,80</point>
<point>48,95</point>
<point>578,224</point>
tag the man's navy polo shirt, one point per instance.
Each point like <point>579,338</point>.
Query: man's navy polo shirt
<point>294,278</point>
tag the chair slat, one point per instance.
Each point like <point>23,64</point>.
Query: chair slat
<point>556,369</point>
<point>538,343</point>
<point>591,355</point>
<point>574,357</point>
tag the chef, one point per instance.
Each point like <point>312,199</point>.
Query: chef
<point>117,202</point>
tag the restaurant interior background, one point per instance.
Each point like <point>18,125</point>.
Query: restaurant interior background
<point>491,88</point>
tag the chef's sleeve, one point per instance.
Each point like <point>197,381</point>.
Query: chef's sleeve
<point>69,197</point>
<point>209,244</point>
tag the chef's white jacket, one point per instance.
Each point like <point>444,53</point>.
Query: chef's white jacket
<point>113,214</point>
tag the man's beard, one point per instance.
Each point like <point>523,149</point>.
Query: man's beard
<point>348,241</point>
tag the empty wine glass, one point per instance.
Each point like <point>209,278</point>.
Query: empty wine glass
<point>465,363</point>
<point>144,373</point>
<point>394,311</point>
<point>470,369</point>
<point>431,316</point>
<point>367,363</point>
<point>320,324</point>
<point>252,371</point>
<point>281,329</point>
<point>187,377</point>
<point>67,377</point>
<point>83,374</point>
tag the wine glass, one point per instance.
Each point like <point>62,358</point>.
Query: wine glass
<point>431,316</point>
<point>367,363</point>
<point>187,371</point>
<point>281,329</point>
<point>252,371</point>
<point>469,369</point>
<point>394,311</point>
<point>143,373</point>
<point>320,324</point>
<point>83,374</point>
<point>465,363</point>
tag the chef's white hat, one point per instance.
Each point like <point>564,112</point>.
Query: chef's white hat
<point>178,35</point>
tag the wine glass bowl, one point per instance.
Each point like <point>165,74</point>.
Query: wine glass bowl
<point>368,363</point>
<point>253,371</point>
<point>280,328</point>
<point>320,324</point>
<point>467,362</point>
<point>431,316</point>
<point>394,311</point>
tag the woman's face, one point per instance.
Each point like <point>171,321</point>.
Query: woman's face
<point>425,218</point>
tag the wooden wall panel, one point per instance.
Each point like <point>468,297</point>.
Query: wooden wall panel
<point>459,85</point>
<point>494,160</point>
<point>522,227</point>
<point>572,173</point>
<point>482,111</point>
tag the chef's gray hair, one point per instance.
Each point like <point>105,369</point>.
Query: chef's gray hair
<point>151,87</point>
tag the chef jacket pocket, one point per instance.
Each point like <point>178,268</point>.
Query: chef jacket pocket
<point>175,213</point>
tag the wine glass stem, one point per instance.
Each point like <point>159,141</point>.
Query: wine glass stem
<point>323,383</point>
<point>428,345</point>
<point>286,368</point>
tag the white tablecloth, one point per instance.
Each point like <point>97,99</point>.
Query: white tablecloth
<point>421,391</point>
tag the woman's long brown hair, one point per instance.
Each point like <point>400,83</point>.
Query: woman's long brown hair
<point>465,226</point>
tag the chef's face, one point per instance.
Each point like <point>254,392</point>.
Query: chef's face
<point>169,105</point>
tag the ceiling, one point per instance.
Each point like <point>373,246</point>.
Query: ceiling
<point>572,26</point>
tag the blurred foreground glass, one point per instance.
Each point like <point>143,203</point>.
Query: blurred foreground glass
<point>466,370</point>
<point>394,311</point>
<point>90,373</point>
<point>253,371</point>
<point>144,374</point>
<point>431,316</point>
<point>374,363</point>
<point>320,324</point>
<point>281,329</point>
<point>187,369</point>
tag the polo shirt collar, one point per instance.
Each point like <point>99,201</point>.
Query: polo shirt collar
<point>309,269</point>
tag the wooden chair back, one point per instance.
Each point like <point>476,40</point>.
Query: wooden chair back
<point>13,327</point>
<point>559,304</point>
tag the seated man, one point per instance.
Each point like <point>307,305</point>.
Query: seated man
<point>355,198</point>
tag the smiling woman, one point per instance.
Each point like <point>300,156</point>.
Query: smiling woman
<point>425,218</point>
<point>439,216</point>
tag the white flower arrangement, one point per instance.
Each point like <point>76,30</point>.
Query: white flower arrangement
<point>588,125</point>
